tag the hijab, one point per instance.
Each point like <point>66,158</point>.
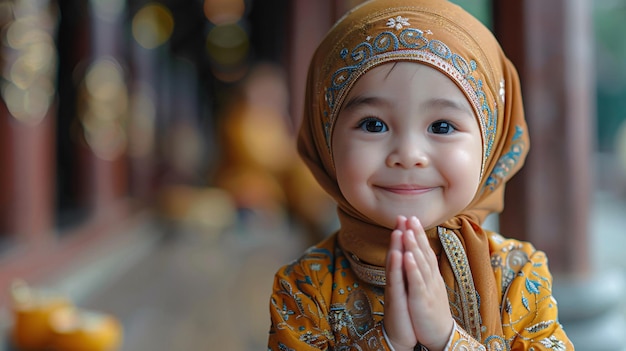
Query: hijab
<point>442,35</point>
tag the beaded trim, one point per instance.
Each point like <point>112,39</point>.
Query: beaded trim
<point>368,273</point>
<point>467,290</point>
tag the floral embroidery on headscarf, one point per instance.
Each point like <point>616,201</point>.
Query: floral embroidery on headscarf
<point>508,161</point>
<point>397,22</point>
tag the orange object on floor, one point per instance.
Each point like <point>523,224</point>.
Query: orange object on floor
<point>78,330</point>
<point>46,321</point>
<point>32,310</point>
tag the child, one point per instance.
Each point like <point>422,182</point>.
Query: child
<point>413,124</point>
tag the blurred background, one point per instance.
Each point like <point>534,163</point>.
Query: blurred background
<point>148,167</point>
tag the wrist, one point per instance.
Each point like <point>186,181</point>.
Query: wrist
<point>391,345</point>
<point>446,345</point>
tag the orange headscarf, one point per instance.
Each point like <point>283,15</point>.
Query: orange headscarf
<point>442,35</point>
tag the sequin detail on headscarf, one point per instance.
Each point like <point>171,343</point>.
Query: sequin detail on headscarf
<point>412,44</point>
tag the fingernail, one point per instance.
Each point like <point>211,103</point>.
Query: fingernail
<point>415,221</point>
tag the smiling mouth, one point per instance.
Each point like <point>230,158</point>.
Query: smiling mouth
<point>406,189</point>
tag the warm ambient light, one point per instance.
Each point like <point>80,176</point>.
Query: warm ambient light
<point>224,11</point>
<point>29,55</point>
<point>152,25</point>
<point>227,44</point>
<point>103,108</point>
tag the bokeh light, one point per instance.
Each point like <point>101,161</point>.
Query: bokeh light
<point>224,11</point>
<point>228,44</point>
<point>152,25</point>
<point>27,105</point>
<point>103,108</point>
<point>34,60</point>
<point>30,59</point>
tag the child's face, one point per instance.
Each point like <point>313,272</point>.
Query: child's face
<point>406,142</point>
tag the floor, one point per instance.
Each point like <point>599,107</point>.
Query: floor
<point>201,289</point>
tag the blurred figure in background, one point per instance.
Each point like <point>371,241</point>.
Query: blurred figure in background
<point>259,164</point>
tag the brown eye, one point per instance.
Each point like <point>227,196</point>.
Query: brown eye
<point>373,125</point>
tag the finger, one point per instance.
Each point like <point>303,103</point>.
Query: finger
<point>414,275</point>
<point>420,253</point>
<point>395,287</point>
<point>410,245</point>
<point>409,242</point>
<point>395,284</point>
<point>428,305</point>
<point>414,223</point>
<point>396,242</point>
<point>394,268</point>
<point>422,242</point>
<point>401,223</point>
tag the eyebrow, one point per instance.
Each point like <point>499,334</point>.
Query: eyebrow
<point>360,100</point>
<point>440,103</point>
<point>443,103</point>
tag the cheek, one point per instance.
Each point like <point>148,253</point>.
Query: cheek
<point>343,166</point>
<point>464,170</point>
<point>346,167</point>
<point>354,164</point>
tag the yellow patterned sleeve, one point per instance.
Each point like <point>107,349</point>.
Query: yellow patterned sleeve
<point>298,309</point>
<point>529,312</point>
<point>310,311</point>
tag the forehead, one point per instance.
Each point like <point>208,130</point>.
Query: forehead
<point>402,74</point>
<point>397,83</point>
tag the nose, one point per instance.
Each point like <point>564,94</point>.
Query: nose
<point>408,151</point>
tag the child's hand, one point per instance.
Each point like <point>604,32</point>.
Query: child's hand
<point>415,295</point>
<point>398,325</point>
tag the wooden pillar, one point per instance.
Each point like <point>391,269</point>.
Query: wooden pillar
<point>33,184</point>
<point>27,189</point>
<point>548,202</point>
<point>7,173</point>
<point>310,21</point>
<point>27,115</point>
